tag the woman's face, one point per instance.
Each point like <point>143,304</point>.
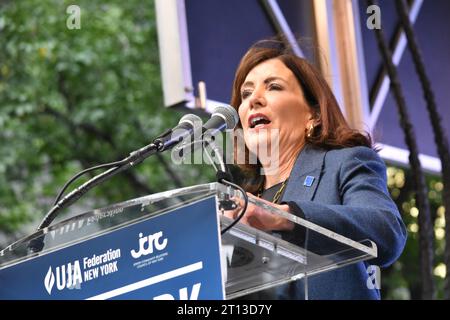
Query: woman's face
<point>272,99</point>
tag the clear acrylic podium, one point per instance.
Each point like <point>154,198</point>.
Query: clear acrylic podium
<point>250,260</point>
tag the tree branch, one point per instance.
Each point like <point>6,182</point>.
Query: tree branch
<point>130,176</point>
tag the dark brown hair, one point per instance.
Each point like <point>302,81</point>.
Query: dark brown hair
<point>331,130</point>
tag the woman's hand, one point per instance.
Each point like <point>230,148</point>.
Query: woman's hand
<point>259,218</point>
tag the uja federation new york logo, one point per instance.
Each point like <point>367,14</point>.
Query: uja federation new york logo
<point>66,276</point>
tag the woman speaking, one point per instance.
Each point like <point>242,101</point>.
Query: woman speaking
<point>327,173</point>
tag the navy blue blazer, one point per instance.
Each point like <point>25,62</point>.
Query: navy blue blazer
<point>349,196</point>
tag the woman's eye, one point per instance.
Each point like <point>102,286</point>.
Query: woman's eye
<point>245,94</point>
<point>274,86</point>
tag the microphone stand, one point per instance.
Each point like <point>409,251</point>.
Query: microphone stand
<point>136,157</point>
<point>223,176</point>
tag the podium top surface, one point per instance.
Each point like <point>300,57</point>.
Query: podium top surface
<point>98,221</point>
<point>107,219</point>
<point>256,259</point>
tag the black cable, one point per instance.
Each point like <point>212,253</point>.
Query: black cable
<point>244,194</point>
<point>105,165</point>
<point>79,174</point>
<point>133,159</point>
<point>224,176</point>
<point>78,193</point>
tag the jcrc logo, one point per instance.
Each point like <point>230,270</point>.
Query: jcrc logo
<point>148,243</point>
<point>66,276</point>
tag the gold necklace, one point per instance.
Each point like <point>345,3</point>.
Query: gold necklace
<point>277,195</point>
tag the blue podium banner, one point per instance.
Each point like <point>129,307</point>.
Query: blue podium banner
<point>175,255</point>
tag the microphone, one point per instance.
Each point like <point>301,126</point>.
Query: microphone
<point>187,125</point>
<point>223,117</point>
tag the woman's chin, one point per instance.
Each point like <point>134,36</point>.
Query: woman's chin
<point>258,144</point>
<point>261,136</point>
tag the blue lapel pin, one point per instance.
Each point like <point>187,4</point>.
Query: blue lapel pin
<point>308,181</point>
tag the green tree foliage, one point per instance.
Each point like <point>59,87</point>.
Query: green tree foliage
<point>402,281</point>
<point>71,99</point>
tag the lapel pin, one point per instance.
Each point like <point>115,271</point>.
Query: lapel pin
<point>308,181</point>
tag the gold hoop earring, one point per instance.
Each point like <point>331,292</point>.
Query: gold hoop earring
<point>310,131</point>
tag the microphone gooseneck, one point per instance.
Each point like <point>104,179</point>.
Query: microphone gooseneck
<point>187,125</point>
<point>223,117</point>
